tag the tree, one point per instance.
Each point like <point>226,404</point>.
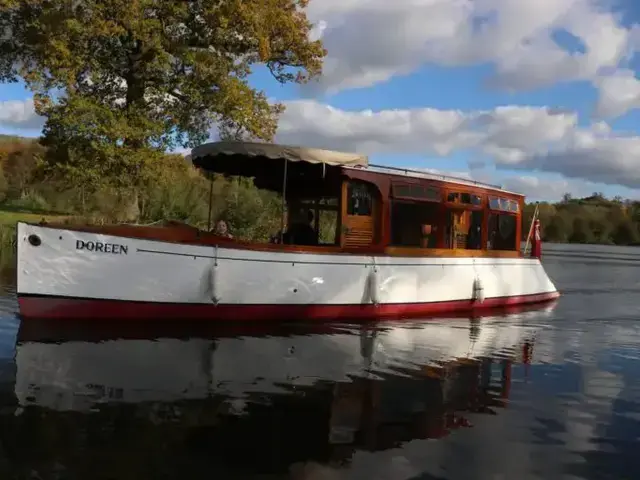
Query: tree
<point>3,185</point>
<point>581,232</point>
<point>600,227</point>
<point>625,233</point>
<point>556,230</point>
<point>634,210</point>
<point>120,81</point>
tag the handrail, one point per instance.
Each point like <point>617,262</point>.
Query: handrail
<point>434,176</point>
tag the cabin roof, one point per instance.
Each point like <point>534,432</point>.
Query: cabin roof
<point>413,173</point>
<point>243,159</point>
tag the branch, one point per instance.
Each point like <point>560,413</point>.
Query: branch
<point>282,77</point>
<point>179,96</point>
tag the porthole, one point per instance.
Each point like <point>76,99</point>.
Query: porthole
<point>34,240</point>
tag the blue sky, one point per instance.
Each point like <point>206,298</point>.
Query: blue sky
<point>539,95</point>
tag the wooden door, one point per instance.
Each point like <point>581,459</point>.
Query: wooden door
<point>458,229</point>
<point>359,211</point>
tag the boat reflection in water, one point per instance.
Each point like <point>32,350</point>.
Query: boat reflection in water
<point>248,403</point>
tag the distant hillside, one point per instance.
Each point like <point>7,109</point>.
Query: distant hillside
<point>593,219</point>
<point>16,138</point>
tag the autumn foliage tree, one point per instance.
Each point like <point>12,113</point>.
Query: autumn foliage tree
<point>121,81</point>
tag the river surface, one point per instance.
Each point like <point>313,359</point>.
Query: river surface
<point>547,393</point>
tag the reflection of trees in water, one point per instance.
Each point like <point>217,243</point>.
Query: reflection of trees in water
<point>7,274</point>
<point>203,438</point>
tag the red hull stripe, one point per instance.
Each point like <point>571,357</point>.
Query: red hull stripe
<point>49,307</point>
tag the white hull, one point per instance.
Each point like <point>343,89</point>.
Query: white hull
<point>212,279</point>
<point>75,375</point>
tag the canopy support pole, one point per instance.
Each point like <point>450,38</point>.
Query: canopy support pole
<point>316,217</point>
<point>284,201</point>
<point>210,203</point>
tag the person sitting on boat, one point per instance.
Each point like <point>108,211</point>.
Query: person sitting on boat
<point>221,229</point>
<point>300,232</point>
<point>277,237</point>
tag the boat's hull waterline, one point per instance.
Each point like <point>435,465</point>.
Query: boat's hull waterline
<point>72,274</point>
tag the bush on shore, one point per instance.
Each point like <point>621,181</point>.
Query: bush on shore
<point>173,190</point>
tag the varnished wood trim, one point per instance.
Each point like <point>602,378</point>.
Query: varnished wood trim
<point>463,206</point>
<point>447,252</point>
<point>191,236</point>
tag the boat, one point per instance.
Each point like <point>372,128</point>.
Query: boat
<point>403,243</point>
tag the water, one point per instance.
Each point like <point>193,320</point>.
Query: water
<point>545,393</point>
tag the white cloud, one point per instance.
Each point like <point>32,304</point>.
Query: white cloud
<point>513,137</point>
<point>19,114</point>
<point>533,187</point>
<point>613,160</point>
<point>521,138</point>
<point>511,133</point>
<point>370,41</point>
<point>619,92</point>
<point>536,188</point>
<point>409,131</point>
<point>508,134</point>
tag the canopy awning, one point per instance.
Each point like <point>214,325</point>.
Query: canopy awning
<point>203,156</point>
<point>309,170</point>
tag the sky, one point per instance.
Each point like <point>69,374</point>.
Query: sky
<point>540,96</point>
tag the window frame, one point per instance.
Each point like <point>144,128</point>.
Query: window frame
<point>372,191</point>
<point>437,197</point>
<point>504,211</point>
<point>460,205</point>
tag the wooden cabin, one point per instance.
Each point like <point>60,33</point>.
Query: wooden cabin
<point>356,208</point>
<point>410,213</point>
<point>376,209</point>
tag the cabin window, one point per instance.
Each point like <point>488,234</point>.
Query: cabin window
<point>415,192</point>
<point>504,205</point>
<point>359,199</point>
<point>502,232</point>
<point>414,224</point>
<point>464,229</point>
<point>464,198</point>
<point>325,218</point>
<point>503,220</point>
<point>464,221</point>
<point>414,213</point>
